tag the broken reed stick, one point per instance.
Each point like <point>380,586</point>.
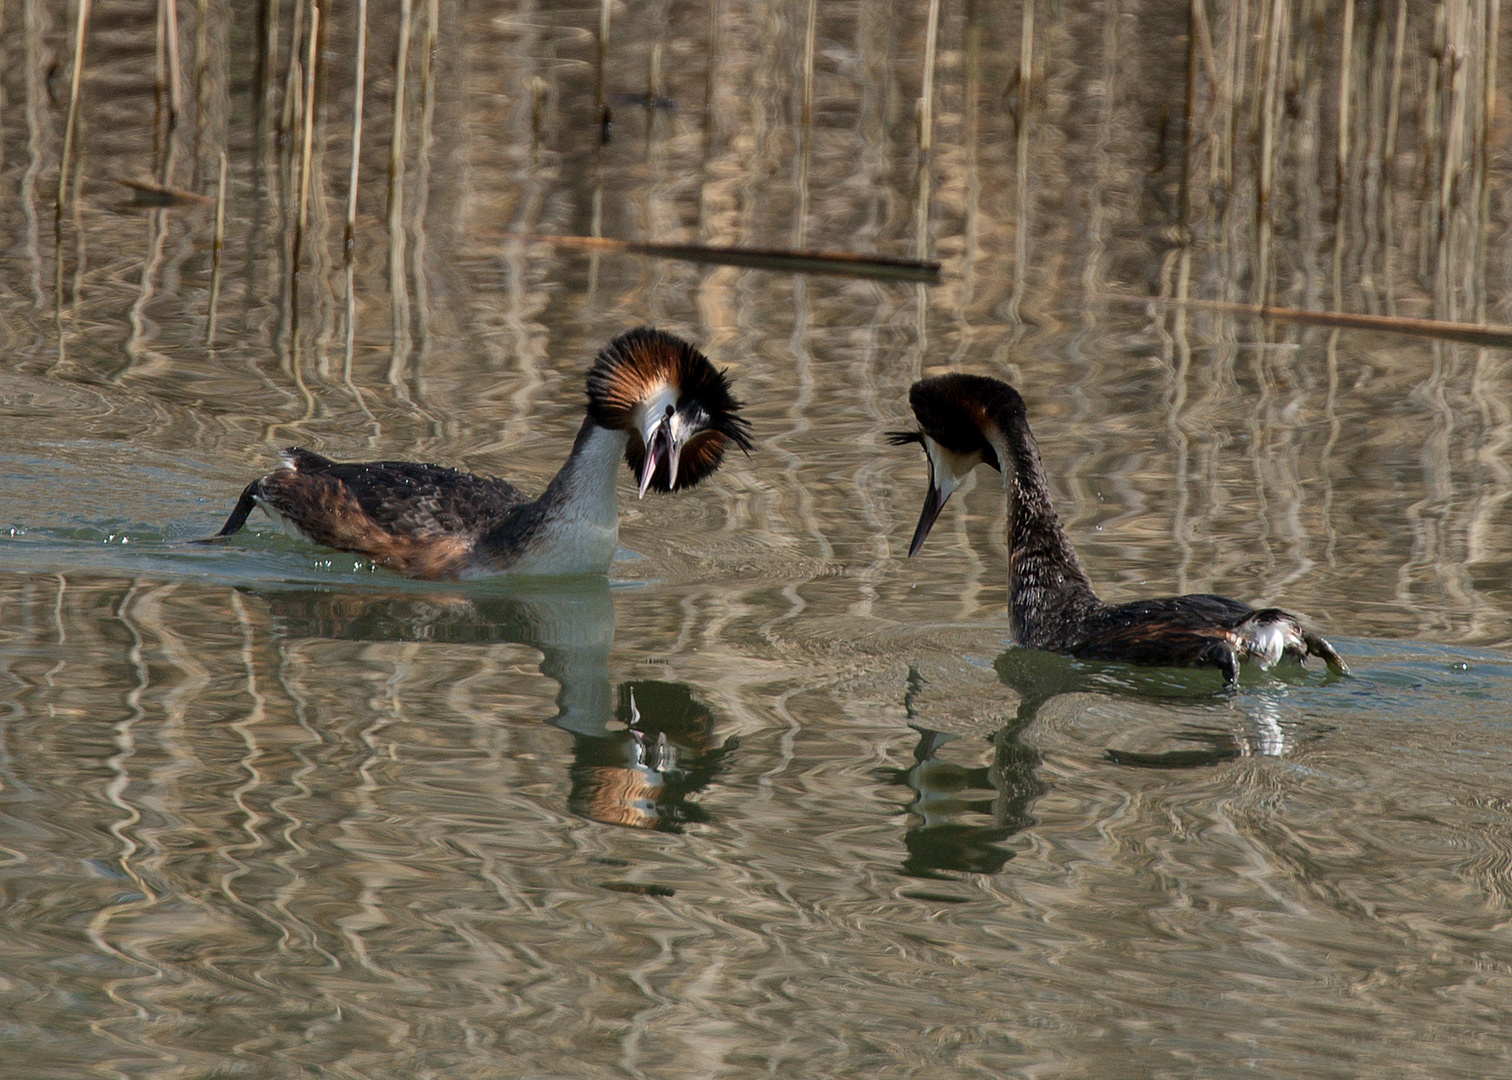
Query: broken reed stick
<point>840,263</point>
<point>1487,334</point>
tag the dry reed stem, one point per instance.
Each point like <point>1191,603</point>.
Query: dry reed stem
<point>808,64</point>
<point>1491,39</point>
<point>1452,64</point>
<point>926,103</point>
<point>1341,163</point>
<point>396,142</point>
<point>349,235</point>
<point>2,92</point>
<point>307,141</point>
<point>422,196</point>
<point>359,81</point>
<point>217,247</point>
<point>1275,29</point>
<point>201,68</point>
<point>1021,161</point>
<point>294,77</point>
<point>71,126</point>
<point>169,10</point>
<point>1388,153</point>
<point>398,290</point>
<point>600,91</point>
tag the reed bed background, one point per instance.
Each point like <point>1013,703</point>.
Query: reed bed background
<point>1223,138</point>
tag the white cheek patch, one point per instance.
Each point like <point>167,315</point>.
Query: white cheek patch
<point>949,468</point>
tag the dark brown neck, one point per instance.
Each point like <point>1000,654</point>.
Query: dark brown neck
<point>1049,593</point>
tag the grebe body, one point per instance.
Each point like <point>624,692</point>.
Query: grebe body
<point>969,420</point>
<point>654,401</point>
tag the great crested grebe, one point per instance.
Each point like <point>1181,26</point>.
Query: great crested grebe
<point>966,420</point>
<point>653,400</point>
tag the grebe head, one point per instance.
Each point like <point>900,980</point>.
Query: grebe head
<point>955,412</point>
<point>674,404</point>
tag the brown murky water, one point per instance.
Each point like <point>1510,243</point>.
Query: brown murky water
<point>773,797</point>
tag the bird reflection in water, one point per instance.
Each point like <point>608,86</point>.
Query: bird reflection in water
<point>1215,727</point>
<point>643,773</point>
<point>960,814</point>
<point>639,752</point>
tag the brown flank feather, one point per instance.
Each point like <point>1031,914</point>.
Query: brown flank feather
<point>327,512</point>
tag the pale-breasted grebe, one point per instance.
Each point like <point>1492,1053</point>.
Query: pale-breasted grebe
<point>966,420</point>
<point>653,400</point>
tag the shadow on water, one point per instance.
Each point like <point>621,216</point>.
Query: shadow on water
<point>962,814</point>
<point>641,750</point>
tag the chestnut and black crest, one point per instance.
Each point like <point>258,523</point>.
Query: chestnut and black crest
<point>642,365</point>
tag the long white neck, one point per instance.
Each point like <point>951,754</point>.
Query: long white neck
<point>579,511</point>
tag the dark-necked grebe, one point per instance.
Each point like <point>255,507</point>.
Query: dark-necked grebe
<point>653,400</point>
<point>966,420</point>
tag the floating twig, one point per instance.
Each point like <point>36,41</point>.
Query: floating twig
<point>840,263</point>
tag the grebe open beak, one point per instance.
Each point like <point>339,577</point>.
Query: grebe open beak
<point>662,439</point>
